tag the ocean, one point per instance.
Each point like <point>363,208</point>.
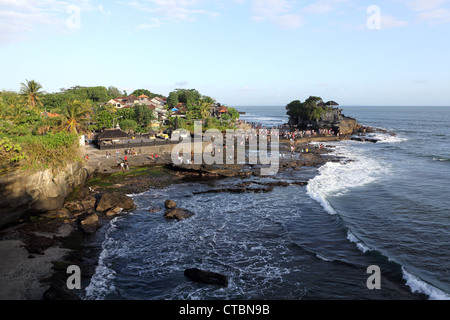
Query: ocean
<point>387,207</point>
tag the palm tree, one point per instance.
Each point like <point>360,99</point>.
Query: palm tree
<point>205,109</point>
<point>31,92</point>
<point>10,106</point>
<point>110,108</point>
<point>4,110</point>
<point>74,117</point>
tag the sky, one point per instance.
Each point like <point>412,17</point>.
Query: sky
<point>240,52</point>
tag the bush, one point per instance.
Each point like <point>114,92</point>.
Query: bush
<point>128,125</point>
<point>10,154</point>
<point>54,150</point>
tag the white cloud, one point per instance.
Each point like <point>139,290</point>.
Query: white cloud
<point>435,17</point>
<point>289,21</point>
<point>21,19</point>
<point>279,12</point>
<point>172,10</point>
<point>154,23</point>
<point>181,84</point>
<point>424,5</point>
<point>323,6</point>
<point>269,8</point>
<point>388,22</point>
<point>431,11</point>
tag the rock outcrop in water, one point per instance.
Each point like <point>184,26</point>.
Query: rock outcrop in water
<point>170,204</point>
<point>206,277</point>
<point>178,214</point>
<point>114,200</point>
<point>174,213</point>
<point>331,119</point>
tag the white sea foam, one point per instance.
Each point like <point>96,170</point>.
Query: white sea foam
<point>352,238</point>
<point>441,159</point>
<point>337,178</point>
<point>102,282</point>
<point>386,137</point>
<point>323,258</point>
<point>420,286</point>
<point>416,284</point>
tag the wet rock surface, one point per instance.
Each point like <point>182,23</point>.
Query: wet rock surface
<point>206,277</point>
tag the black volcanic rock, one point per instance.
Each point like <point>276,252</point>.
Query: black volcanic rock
<point>206,277</point>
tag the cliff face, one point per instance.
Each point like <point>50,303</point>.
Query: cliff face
<point>39,192</point>
<point>332,119</point>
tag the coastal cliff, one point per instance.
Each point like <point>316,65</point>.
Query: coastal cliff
<point>40,192</point>
<point>315,114</point>
<point>331,119</point>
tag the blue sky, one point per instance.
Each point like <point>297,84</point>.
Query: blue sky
<point>240,52</point>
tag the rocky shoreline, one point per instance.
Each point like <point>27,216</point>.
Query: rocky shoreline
<point>45,245</point>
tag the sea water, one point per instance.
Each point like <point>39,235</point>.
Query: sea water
<point>388,207</point>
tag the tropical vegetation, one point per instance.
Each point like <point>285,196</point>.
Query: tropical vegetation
<point>41,130</point>
<point>311,109</point>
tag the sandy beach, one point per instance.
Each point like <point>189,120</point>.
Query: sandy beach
<point>23,274</point>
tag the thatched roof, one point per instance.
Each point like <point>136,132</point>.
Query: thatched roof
<point>332,103</point>
<point>112,134</point>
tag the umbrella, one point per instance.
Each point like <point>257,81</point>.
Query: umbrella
<point>174,109</point>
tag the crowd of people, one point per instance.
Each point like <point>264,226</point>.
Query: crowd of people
<point>307,133</point>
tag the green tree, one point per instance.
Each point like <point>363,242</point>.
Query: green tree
<point>148,93</point>
<point>293,108</point>
<point>312,109</point>
<point>193,111</point>
<point>11,107</point>
<point>233,113</point>
<point>172,99</point>
<point>74,115</point>
<point>126,114</point>
<point>205,109</point>
<point>104,119</point>
<point>208,99</point>
<point>128,125</point>
<point>226,116</point>
<point>31,91</point>
<point>113,92</point>
<point>191,95</point>
<point>110,108</point>
<point>55,101</point>
<point>95,94</point>
<point>143,115</point>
